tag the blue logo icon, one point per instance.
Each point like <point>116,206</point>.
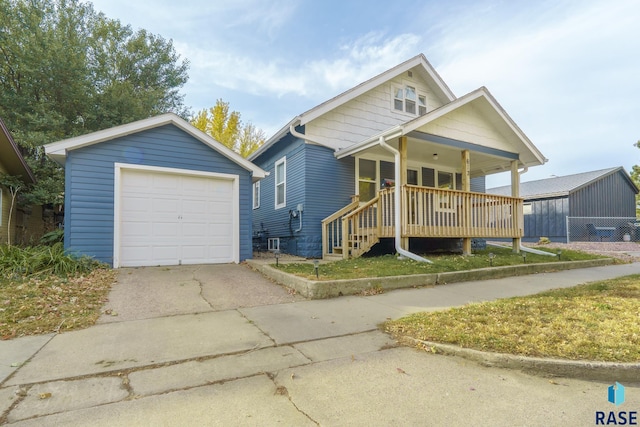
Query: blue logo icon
<point>616,394</point>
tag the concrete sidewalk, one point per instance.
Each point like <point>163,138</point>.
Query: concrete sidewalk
<point>300,363</point>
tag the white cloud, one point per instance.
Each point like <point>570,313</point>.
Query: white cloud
<point>355,62</point>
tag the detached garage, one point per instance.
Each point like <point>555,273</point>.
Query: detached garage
<point>156,192</point>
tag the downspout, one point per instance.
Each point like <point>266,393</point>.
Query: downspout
<point>302,136</point>
<point>398,203</point>
<point>299,228</point>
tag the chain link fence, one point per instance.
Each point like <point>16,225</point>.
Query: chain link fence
<point>603,229</point>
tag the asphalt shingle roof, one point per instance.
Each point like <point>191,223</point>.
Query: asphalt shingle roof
<point>555,186</point>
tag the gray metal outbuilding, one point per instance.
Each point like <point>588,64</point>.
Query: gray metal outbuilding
<point>597,197</point>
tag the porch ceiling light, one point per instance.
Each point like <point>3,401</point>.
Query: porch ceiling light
<point>435,156</point>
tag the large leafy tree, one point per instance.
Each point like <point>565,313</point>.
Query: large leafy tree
<point>226,127</point>
<point>66,70</point>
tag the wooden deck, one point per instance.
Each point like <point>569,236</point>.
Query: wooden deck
<point>426,213</point>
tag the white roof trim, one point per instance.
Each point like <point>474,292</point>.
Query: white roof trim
<point>374,82</point>
<point>356,91</point>
<point>58,150</point>
<point>439,112</point>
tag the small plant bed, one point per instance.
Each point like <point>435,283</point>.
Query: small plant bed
<point>594,322</point>
<point>390,265</point>
<point>44,290</point>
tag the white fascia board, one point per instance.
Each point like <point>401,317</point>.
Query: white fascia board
<point>275,138</point>
<point>482,92</point>
<point>394,132</point>
<point>58,150</point>
<point>374,82</point>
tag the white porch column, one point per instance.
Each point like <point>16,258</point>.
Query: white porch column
<point>515,192</point>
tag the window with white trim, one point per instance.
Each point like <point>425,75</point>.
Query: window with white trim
<point>256,195</point>
<point>281,183</point>
<point>273,244</point>
<point>527,209</point>
<point>407,99</point>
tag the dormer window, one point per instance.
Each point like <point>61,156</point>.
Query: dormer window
<point>408,100</point>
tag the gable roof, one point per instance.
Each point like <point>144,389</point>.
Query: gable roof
<point>58,150</point>
<point>12,160</point>
<point>483,101</point>
<point>417,61</point>
<point>560,185</point>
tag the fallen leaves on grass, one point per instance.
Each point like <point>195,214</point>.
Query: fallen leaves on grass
<point>598,322</point>
<point>41,305</point>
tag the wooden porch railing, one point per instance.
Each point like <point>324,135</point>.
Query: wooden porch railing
<point>434,212</point>
<point>332,229</point>
<point>360,229</point>
<point>427,212</point>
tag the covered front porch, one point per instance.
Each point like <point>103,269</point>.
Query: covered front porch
<point>434,159</point>
<point>425,213</point>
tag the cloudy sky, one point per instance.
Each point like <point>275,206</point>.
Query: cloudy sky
<point>568,72</point>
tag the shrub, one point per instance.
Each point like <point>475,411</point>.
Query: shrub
<point>42,260</point>
<point>52,237</point>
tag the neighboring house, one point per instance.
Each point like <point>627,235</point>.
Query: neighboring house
<point>156,192</point>
<point>27,224</point>
<point>350,145</point>
<point>596,197</point>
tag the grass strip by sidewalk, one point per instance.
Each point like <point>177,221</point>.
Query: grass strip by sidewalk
<point>595,322</point>
<point>390,265</point>
<point>45,304</point>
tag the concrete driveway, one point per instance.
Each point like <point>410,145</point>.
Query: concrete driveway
<point>150,292</point>
<point>321,362</point>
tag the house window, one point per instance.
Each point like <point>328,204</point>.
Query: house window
<point>445,182</point>
<point>281,183</point>
<point>367,179</point>
<point>273,244</point>
<point>422,105</point>
<point>408,100</point>
<point>527,209</point>
<point>256,195</point>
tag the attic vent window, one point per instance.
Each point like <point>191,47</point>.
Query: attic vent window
<point>410,73</point>
<point>408,100</point>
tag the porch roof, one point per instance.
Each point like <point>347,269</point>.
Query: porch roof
<point>474,122</point>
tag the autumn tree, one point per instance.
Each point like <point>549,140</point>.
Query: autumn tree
<point>66,70</point>
<point>226,127</point>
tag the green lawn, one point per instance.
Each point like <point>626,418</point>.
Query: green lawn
<point>390,265</point>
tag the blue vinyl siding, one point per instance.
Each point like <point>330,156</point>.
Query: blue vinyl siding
<point>89,175</point>
<point>316,180</point>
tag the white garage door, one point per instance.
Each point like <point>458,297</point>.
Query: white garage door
<point>172,219</point>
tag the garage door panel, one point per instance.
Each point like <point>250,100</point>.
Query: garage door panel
<point>164,230</point>
<point>166,182</point>
<point>168,219</point>
<point>132,231</point>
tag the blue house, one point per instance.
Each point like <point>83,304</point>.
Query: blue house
<point>156,192</point>
<point>398,158</point>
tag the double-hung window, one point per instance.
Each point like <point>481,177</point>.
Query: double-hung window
<point>407,99</point>
<point>281,183</point>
